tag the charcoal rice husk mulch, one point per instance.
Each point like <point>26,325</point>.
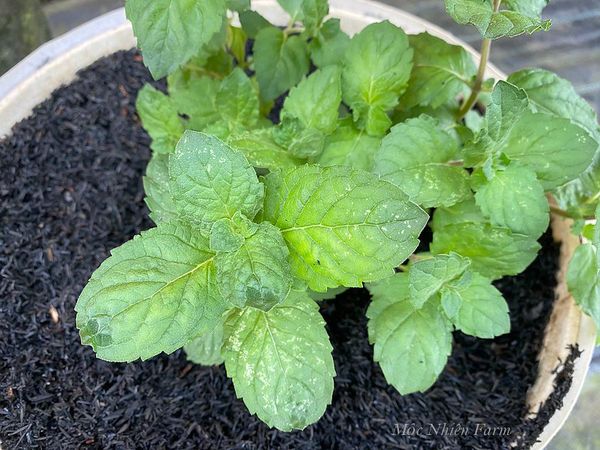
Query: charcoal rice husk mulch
<point>71,190</point>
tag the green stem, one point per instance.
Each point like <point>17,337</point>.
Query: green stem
<point>478,84</point>
<point>559,211</point>
<point>292,30</point>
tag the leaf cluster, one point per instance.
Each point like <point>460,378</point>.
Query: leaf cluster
<point>292,163</point>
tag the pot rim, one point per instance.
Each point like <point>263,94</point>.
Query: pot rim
<point>57,62</point>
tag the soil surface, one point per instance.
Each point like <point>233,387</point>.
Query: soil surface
<point>71,190</point>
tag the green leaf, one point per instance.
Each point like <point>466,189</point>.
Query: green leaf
<point>280,61</point>
<point>515,199</point>
<point>301,142</point>
<point>261,150</point>
<point>415,155</point>
<point>236,43</point>
<point>474,121</point>
<point>206,348</point>
<point>258,272</point>
<point>186,90</point>
<point>156,186</point>
<point>426,277</point>
<point>224,237</point>
<point>411,346</point>
<point>159,118</point>
<point>342,226</point>
<point>310,112</point>
<point>555,148</point>
<point>494,251</point>
<point>583,275</point>
<point>210,181</point>
<point>170,32</point>
<point>329,45</point>
<point>507,104</point>
<point>349,146</point>
<point>463,212</point>
<point>237,102</point>
<point>503,23</point>
<point>310,12</point>
<point>153,294</point>
<point>329,295</point>
<point>482,310</point>
<point>238,5</point>
<point>548,93</point>
<point>252,22</point>
<point>528,7</point>
<point>450,301</point>
<point>377,67</point>
<point>316,100</point>
<point>551,94</point>
<point>280,362</point>
<point>441,72</point>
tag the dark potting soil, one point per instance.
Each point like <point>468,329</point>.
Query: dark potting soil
<point>71,190</point>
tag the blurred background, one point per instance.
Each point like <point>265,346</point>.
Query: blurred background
<point>571,49</point>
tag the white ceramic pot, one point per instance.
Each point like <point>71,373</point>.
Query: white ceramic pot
<point>56,63</point>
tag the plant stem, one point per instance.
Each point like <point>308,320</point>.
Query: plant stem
<point>477,85</point>
<point>562,213</point>
<point>559,211</point>
<point>292,28</point>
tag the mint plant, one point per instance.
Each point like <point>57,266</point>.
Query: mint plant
<point>291,163</point>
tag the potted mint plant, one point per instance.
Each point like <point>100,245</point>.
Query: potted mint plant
<point>231,266</point>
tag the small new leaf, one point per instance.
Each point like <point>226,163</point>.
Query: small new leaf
<point>224,237</point>
<point>377,67</point>
<point>426,277</point>
<point>280,362</point>
<point>411,345</point>
<point>237,103</point>
<point>210,181</point>
<point>156,186</point>
<point>316,100</point>
<point>257,273</point>
<point>238,5</point>
<point>493,251</point>
<point>478,309</point>
<point>206,348</point>
<point>415,155</point>
<point>152,295</point>
<point>159,118</point>
<point>310,12</point>
<point>441,72</point>
<point>496,24</point>
<point>301,142</point>
<point>349,146</point>
<point>329,45</point>
<point>252,22</point>
<point>343,227</point>
<point>170,32</point>
<point>515,199</point>
<point>280,61</point>
<point>262,151</point>
<point>583,275</point>
<point>185,92</point>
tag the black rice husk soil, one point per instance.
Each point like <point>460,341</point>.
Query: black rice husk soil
<point>71,190</point>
